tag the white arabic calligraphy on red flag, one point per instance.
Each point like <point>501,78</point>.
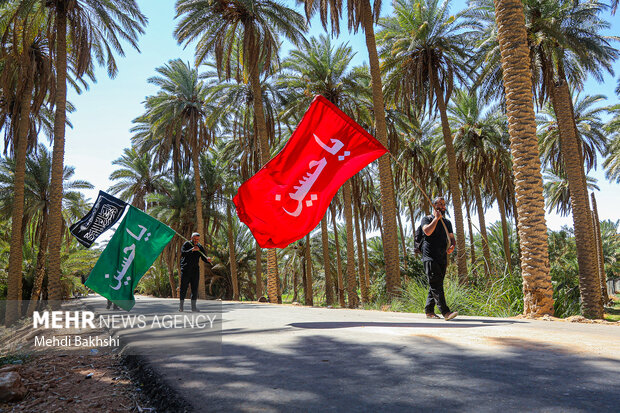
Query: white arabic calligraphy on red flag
<point>287,198</point>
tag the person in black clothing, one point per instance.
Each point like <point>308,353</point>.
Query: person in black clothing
<point>438,242</point>
<point>191,253</point>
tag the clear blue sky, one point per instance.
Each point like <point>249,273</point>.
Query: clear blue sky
<point>104,113</point>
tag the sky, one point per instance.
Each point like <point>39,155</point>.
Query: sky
<point>104,113</point>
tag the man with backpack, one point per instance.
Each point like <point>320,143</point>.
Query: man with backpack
<point>437,241</point>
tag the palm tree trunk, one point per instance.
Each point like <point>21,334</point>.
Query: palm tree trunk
<point>55,222</point>
<point>295,282</point>
<point>259,272</point>
<point>304,269</point>
<point>483,229</point>
<point>472,247</point>
<point>20,142</point>
<point>402,238</point>
<point>232,256</point>
<point>348,217</point>
<point>411,216</point>
<point>308,266</point>
<point>178,262</point>
<point>171,255</point>
<point>329,285</point>
<point>388,201</point>
<point>512,36</point>
<point>589,285</point>
<point>453,180</point>
<point>366,299</point>
<point>599,249</point>
<point>199,216</point>
<point>338,262</point>
<point>360,253</point>
<point>516,216</point>
<point>40,269</point>
<point>261,126</point>
<point>502,214</point>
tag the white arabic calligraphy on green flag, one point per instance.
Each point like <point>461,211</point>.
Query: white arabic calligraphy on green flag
<point>135,245</point>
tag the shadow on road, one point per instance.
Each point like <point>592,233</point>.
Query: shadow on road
<point>326,325</point>
<point>321,373</point>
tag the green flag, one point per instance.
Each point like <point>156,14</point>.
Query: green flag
<point>135,245</point>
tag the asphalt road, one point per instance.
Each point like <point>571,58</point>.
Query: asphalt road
<point>282,358</point>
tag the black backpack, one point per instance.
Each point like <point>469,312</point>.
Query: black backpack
<point>417,240</point>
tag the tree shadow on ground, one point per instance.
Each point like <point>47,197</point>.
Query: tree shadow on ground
<point>414,373</point>
<point>326,325</point>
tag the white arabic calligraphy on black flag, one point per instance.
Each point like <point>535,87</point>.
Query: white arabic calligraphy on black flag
<point>106,211</point>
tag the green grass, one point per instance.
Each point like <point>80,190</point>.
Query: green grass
<point>613,313</point>
<point>502,298</point>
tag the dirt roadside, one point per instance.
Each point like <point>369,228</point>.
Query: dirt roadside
<point>70,379</point>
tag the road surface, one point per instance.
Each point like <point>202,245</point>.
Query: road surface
<point>283,358</point>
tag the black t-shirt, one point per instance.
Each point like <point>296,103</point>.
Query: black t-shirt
<point>189,258</point>
<point>434,246</point>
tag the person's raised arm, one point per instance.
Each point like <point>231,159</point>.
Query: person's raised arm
<point>186,247</point>
<point>430,227</point>
<point>203,256</point>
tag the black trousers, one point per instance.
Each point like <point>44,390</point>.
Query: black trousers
<point>436,272</point>
<point>189,278</point>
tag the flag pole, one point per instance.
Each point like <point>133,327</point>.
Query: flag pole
<point>423,193</point>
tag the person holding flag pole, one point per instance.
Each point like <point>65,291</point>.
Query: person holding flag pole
<point>435,245</point>
<point>290,194</point>
<point>135,245</point>
<point>191,253</point>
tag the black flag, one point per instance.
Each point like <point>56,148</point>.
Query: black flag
<point>106,211</point>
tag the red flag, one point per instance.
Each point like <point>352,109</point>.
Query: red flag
<point>287,198</point>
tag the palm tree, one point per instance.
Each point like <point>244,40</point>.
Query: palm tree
<point>362,13</point>
<point>24,81</point>
<point>36,206</point>
<point>175,207</point>
<point>566,45</point>
<point>339,279</point>
<point>238,146</point>
<point>557,191</point>
<point>233,104</point>
<point>599,251</point>
<point>612,151</point>
<point>166,150</point>
<point>358,187</point>
<point>309,291</point>
<point>38,169</point>
<point>352,297</point>
<point>136,177</point>
<point>477,134</point>
<point>329,285</point>
<point>591,132</point>
<point>254,24</point>
<point>512,37</point>
<point>227,174</point>
<point>318,68</point>
<point>418,157</point>
<point>95,29</point>
<point>481,143</point>
<point>178,109</point>
<point>611,246</point>
<point>232,253</point>
<point>425,49</point>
